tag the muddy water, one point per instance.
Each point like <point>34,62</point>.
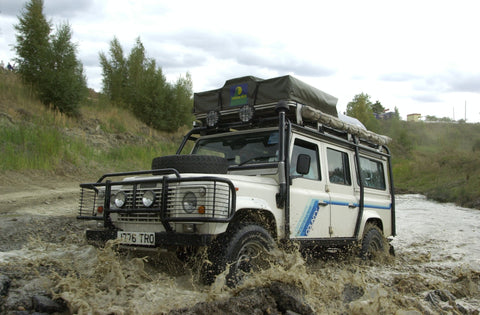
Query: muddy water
<point>436,270</point>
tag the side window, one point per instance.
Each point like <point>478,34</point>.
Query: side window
<point>338,167</point>
<point>304,147</point>
<point>373,175</point>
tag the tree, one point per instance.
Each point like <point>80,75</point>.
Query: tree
<point>49,62</point>
<point>135,82</point>
<point>434,118</point>
<point>33,36</point>
<point>378,108</point>
<point>65,84</point>
<point>114,72</point>
<point>361,108</point>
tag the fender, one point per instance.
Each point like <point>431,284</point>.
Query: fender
<point>368,215</point>
<point>244,202</point>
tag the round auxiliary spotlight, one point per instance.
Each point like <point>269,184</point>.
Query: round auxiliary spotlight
<point>246,113</point>
<point>212,118</point>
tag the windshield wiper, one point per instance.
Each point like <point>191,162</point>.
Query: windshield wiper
<point>258,158</point>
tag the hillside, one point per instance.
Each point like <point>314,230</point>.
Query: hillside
<point>38,145</point>
<point>439,160</point>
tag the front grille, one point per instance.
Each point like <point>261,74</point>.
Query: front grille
<point>215,200</point>
<point>136,202</point>
<point>139,217</point>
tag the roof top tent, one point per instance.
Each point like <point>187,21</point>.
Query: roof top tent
<point>248,99</point>
<point>254,91</point>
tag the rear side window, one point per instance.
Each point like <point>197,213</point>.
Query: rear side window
<point>338,167</point>
<point>373,175</point>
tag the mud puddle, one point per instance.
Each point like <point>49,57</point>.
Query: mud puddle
<point>435,271</point>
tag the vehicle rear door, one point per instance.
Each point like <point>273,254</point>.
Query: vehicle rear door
<point>344,204</point>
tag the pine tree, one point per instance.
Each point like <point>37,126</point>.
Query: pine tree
<point>65,82</point>
<point>49,62</point>
<point>33,35</point>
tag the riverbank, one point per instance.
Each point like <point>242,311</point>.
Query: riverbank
<point>438,160</point>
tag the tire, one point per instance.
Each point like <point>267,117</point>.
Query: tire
<point>372,242</point>
<point>207,164</point>
<point>243,251</point>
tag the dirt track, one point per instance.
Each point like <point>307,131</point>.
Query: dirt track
<point>43,251</point>
<point>41,211</point>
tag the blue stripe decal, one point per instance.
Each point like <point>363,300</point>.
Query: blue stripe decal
<point>378,207</point>
<point>340,203</point>
<point>311,211</point>
<point>309,214</point>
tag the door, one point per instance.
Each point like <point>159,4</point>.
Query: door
<point>309,203</point>
<point>344,204</point>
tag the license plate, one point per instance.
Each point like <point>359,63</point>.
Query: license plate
<point>136,238</point>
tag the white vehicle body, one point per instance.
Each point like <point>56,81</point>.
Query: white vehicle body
<point>303,176</point>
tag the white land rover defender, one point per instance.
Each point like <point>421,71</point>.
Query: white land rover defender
<point>271,164</point>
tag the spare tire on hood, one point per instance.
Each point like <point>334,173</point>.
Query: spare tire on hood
<point>207,164</point>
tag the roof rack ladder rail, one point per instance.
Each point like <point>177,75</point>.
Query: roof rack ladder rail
<point>362,189</point>
<point>392,190</point>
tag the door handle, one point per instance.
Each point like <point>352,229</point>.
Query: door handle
<point>323,204</point>
<point>352,206</point>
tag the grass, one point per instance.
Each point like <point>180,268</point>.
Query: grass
<point>35,137</point>
<point>440,160</point>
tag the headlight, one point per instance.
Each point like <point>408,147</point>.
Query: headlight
<point>148,198</point>
<point>189,202</point>
<point>120,199</point>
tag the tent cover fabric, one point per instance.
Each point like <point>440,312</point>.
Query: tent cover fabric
<point>252,91</point>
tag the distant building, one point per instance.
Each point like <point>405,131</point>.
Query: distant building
<point>413,117</point>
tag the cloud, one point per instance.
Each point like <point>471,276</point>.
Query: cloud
<point>426,98</point>
<point>449,81</point>
<point>398,77</point>
<point>67,9</point>
<point>60,8</point>
<point>199,45</point>
<point>180,59</point>
<point>463,82</point>
<point>11,7</point>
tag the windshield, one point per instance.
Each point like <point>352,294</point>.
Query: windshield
<point>241,149</point>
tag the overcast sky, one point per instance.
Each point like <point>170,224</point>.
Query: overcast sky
<point>419,56</point>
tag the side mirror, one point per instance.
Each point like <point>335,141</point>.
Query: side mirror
<point>303,164</point>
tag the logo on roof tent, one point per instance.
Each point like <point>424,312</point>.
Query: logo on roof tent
<point>238,94</point>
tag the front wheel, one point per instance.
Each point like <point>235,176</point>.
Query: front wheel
<point>244,251</point>
<point>372,243</point>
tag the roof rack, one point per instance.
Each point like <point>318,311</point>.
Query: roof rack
<point>314,115</point>
<point>249,101</point>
